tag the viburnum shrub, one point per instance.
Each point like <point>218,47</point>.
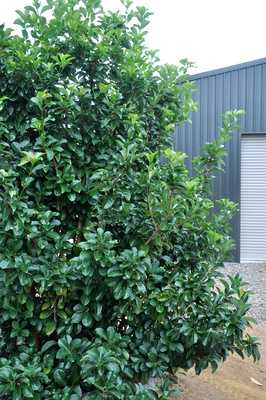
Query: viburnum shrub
<point>110,264</point>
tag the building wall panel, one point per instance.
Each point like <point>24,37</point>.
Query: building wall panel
<point>238,87</point>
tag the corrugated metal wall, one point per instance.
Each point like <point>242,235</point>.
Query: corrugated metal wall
<point>238,87</point>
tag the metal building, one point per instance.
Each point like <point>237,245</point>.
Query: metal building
<point>240,86</point>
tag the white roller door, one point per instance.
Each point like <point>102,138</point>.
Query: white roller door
<point>253,198</point>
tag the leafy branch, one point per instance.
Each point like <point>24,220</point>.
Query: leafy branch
<point>154,223</point>
<point>164,220</point>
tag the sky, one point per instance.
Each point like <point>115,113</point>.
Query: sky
<point>212,33</point>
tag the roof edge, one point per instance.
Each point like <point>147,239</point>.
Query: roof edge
<point>228,69</point>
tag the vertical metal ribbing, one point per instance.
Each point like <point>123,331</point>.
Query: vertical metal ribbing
<point>238,87</point>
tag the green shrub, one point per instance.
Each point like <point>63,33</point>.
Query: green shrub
<point>108,260</point>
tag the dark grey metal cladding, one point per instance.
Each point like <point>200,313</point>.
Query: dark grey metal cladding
<point>241,86</point>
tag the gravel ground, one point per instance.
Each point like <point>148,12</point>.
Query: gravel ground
<point>255,274</point>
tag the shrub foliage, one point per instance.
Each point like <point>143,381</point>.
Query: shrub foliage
<point>108,259</point>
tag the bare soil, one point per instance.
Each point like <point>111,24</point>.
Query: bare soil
<point>235,379</point>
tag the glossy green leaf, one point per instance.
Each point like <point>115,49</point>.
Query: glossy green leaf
<point>59,376</point>
<point>51,325</point>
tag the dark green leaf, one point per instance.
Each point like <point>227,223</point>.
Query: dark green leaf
<point>60,378</point>
<point>51,325</point>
